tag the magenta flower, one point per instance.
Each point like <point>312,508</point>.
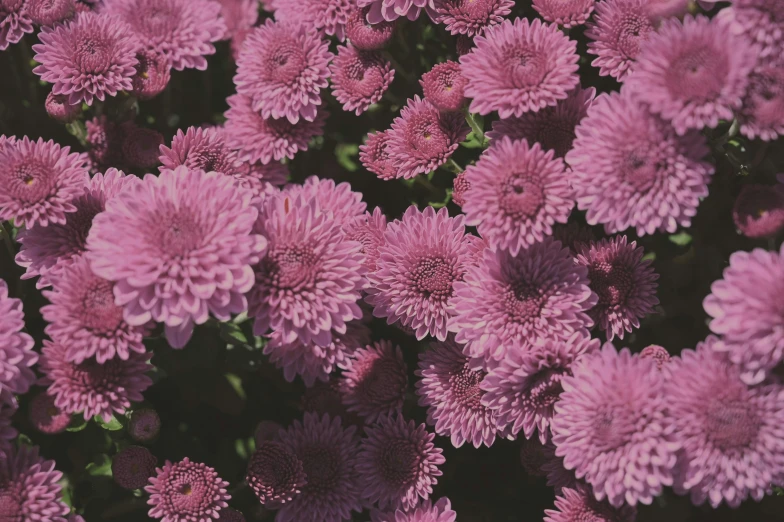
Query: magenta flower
<point>46,416</point>
<point>580,504</point>
<point>360,78</point>
<point>694,73</point>
<point>657,353</point>
<point>470,17</point>
<point>390,10</point>
<point>759,210</point>
<point>369,230</point>
<point>282,68</point>
<point>422,138</point>
<point>260,179</point>
<point>140,146</point>
<point>199,148</point>
<point>365,36</point>
<point>444,86</point>
<point>516,194</point>
<point>630,169</point>
<point>374,381</point>
<point>29,487</point>
<point>181,30</point>
<point>239,15</point>
<point>760,21</point>
<point>375,155</point>
<point>668,8</point>
<point>133,467</point>
<point>186,491</point>
<point>153,73</point>
<point>144,425</point>
<point>104,141</point>
<point>425,511</point>
<point>275,474</point>
<point>344,203</point>
<point>17,355</point>
<point>747,313</point>
<point>762,113</point>
<point>329,16</point>
<point>49,12</point>
<point>58,108</point>
<point>398,463</point>
<point>518,67</point>
<point>611,427</point>
<point>460,186</point>
<point>14,22</point>
<point>569,13</point>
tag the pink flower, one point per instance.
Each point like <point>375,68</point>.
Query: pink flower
<point>329,16</point>
<point>17,356</point>
<point>759,210</point>
<point>365,36</point>
<point>29,487</point>
<point>762,113</point>
<point>470,17</point>
<point>186,491</point>
<point>374,381</point>
<point>569,13</point>
<point>275,474</point>
<point>375,155</point>
<point>390,10</point>
<point>579,504</point>
<point>360,78</point>
<point>14,22</point>
<point>444,86</point>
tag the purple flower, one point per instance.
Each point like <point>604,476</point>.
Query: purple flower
<point>365,36</point>
<point>230,515</point>
<point>133,466</point>
<point>58,108</point>
<point>630,168</point>
<point>360,78</point>
<point>611,427</point>
<point>398,463</point>
<point>423,256</point>
<point>369,230</point>
<point>760,21</point>
<point>186,492</point>
<point>140,146</point>
<point>390,10</point>
<point>422,138</point>
<point>657,353</point>
<point>522,390</point>
<point>425,511</point>
<point>144,425</point>
<point>29,487</point>
<point>275,474</point>
<point>344,204</point>
<point>104,141</point>
<point>444,86</point>
<point>470,17</point>
<point>178,247</point>
<point>39,180</point>
<point>449,388</point>
<point>239,15</point>
<point>7,431</point>
<point>569,13</point>
<point>747,312</point>
<point>259,139</point>
<point>759,210</point>
<point>579,504</point>
<point>732,435</point>
<point>199,148</point>
<point>375,155</point>
<point>694,73</point>
<point>17,355</point>
<point>331,16</point>
<point>181,30</point>
<point>518,67</point>
<point>508,302</point>
<point>374,381</point>
<point>668,8</point>
<point>46,416</point>
<point>49,12</point>
<point>762,113</point>
<point>282,68</point>
<point>516,194</point>
<point>552,467</point>
<point>460,186</point>
<point>260,179</point>
<point>328,453</point>
<point>153,73</point>
<point>14,22</point>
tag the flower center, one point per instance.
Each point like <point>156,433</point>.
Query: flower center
<point>640,170</point>
<point>31,179</point>
<point>92,56</point>
<point>180,235</point>
<point>731,425</point>
<point>521,196</point>
<point>634,30</point>
<point>321,468</point>
<point>613,282</point>
<point>400,461</point>
<point>698,75</point>
<point>432,276</point>
<point>527,67</point>
<point>546,389</point>
<point>99,312</point>
<point>464,384</point>
<point>292,267</point>
<point>286,62</point>
<point>524,302</point>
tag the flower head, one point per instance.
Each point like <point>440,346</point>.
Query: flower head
<point>153,73</point>
<point>199,148</point>
<point>365,36</point>
<point>133,466</point>
<point>186,491</point>
<point>360,78</point>
<point>759,210</point>
<point>239,15</point>
<point>58,108</point>
<point>444,86</point>
<point>14,22</point>
<point>389,10</point>
<point>375,155</point>
<point>275,474</point>
<point>17,355</point>
<point>659,354</point>
<point>144,425</point>
<point>46,416</point>
<point>369,230</point>
<point>140,146</point>
<point>29,488</point>
<point>762,113</point>
<point>760,21</point>
<point>104,141</point>
<point>329,16</point>
<point>569,13</point>
<point>374,381</point>
<point>337,198</point>
<point>49,12</point>
<point>580,504</point>
<point>425,511</point>
<point>470,17</point>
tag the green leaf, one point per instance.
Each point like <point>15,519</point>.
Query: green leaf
<point>236,384</point>
<point>112,425</point>
<point>232,334</point>
<point>102,467</point>
<point>345,152</point>
<point>650,256</point>
<point>681,238</point>
<point>77,423</point>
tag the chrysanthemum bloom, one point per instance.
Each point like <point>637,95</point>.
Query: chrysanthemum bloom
<point>398,463</point>
<point>104,141</point>
<point>659,354</point>
<point>374,155</point>
<point>524,387</point>
<point>694,73</point>
<point>328,453</point>
<point>178,247</point>
<point>569,13</point>
<point>199,148</point>
<point>374,381</point>
<point>275,474</point>
<point>29,487</point>
<point>762,113</point>
<point>92,388</point>
<point>508,302</point>
<point>360,78</point>
<point>7,430</point>
<point>329,16</point>
<point>230,515</point>
<point>747,312</point>
<point>133,466</point>
<point>369,230</point>
<point>444,86</point>
<point>39,180</point>
<point>260,179</point>
<point>759,210</point>
<point>282,68</point>
<point>181,30</point>
<point>239,15</point>
<point>14,22</point>
<point>390,10</point>
<point>17,355</point>
<point>46,416</point>
<point>140,146</point>
<point>470,17</point>
<point>630,168</point>
<point>186,492</point>
<point>423,138</point>
<point>449,388</point>
<point>611,427</point>
<point>153,73</point>
<point>259,139</point>
<point>308,285</point>
<point>517,192</point>
<point>518,67</point>
<point>337,198</point>
<point>617,32</point>
<point>366,36</point>
<point>144,425</point>
<point>58,108</point>
<point>49,12</point>
<point>574,235</point>
<point>761,21</point>
<point>732,434</point>
<point>460,186</point>
<point>424,254</point>
<point>91,57</point>
<point>426,511</point>
<point>580,504</point>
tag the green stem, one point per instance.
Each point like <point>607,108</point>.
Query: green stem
<point>452,166</point>
<point>425,183</point>
<point>475,128</point>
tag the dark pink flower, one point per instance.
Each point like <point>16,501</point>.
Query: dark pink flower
<point>144,425</point>
<point>425,511</point>
<point>360,78</point>
<point>759,210</point>
<point>390,10</point>
<point>374,381</point>
<point>468,18</point>
<point>140,146</point>
<point>14,22</point>
<point>444,86</point>
<point>153,73</point>
<point>375,155</point>
<point>186,491</point>
<point>46,416</point>
<point>366,36</point>
<point>17,355</point>
<point>49,12</point>
<point>580,504</point>
<point>133,466</point>
<point>762,113</point>
<point>29,488</point>
<point>199,148</point>
<point>329,16</point>
<point>104,141</point>
<point>275,474</point>
<point>569,13</point>
<point>58,108</point>
<point>574,236</point>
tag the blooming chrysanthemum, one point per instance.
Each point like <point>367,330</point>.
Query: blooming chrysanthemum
<point>29,488</point>
<point>574,235</point>
<point>140,146</point>
<point>374,381</point>
<point>39,180</point>
<point>92,388</point>
<point>694,73</point>
<point>14,22</point>
<point>508,302</point>
<point>133,466</point>
<point>261,179</point>
<point>17,355</point>
<point>259,139</point>
<point>49,12</point>
<point>579,504</point>
<point>328,453</point>
<point>570,13</point>
<point>732,435</point>
<point>178,247</point>
<point>186,492</point>
<point>360,78</point>
<point>762,113</point>
<point>444,86</point>
<point>449,388</point>
<point>337,198</point>
<point>374,155</point>
<point>91,57</point>
<point>153,73</point>
<point>524,387</point>
<point>748,313</point>
<point>104,141</point>
<point>390,10</point>
<point>275,474</point>
<point>426,511</point>
<point>7,430</point>
<point>366,36</point>
<point>144,425</point>
<point>423,138</point>
<point>630,168</point>
<point>282,68</point>
<point>659,354</point>
<point>58,108</point>
<point>611,427</point>
<point>329,16</point>
<point>181,30</point>
<point>759,210</point>
<point>518,67</point>
<point>517,192</point>
<point>460,186</point>
<point>199,148</point>
<point>761,21</point>
<point>470,17</point>
<point>424,254</point>
<point>398,463</point>
<point>46,416</point>
<point>369,230</point>
<point>617,32</point>
<point>239,15</point>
